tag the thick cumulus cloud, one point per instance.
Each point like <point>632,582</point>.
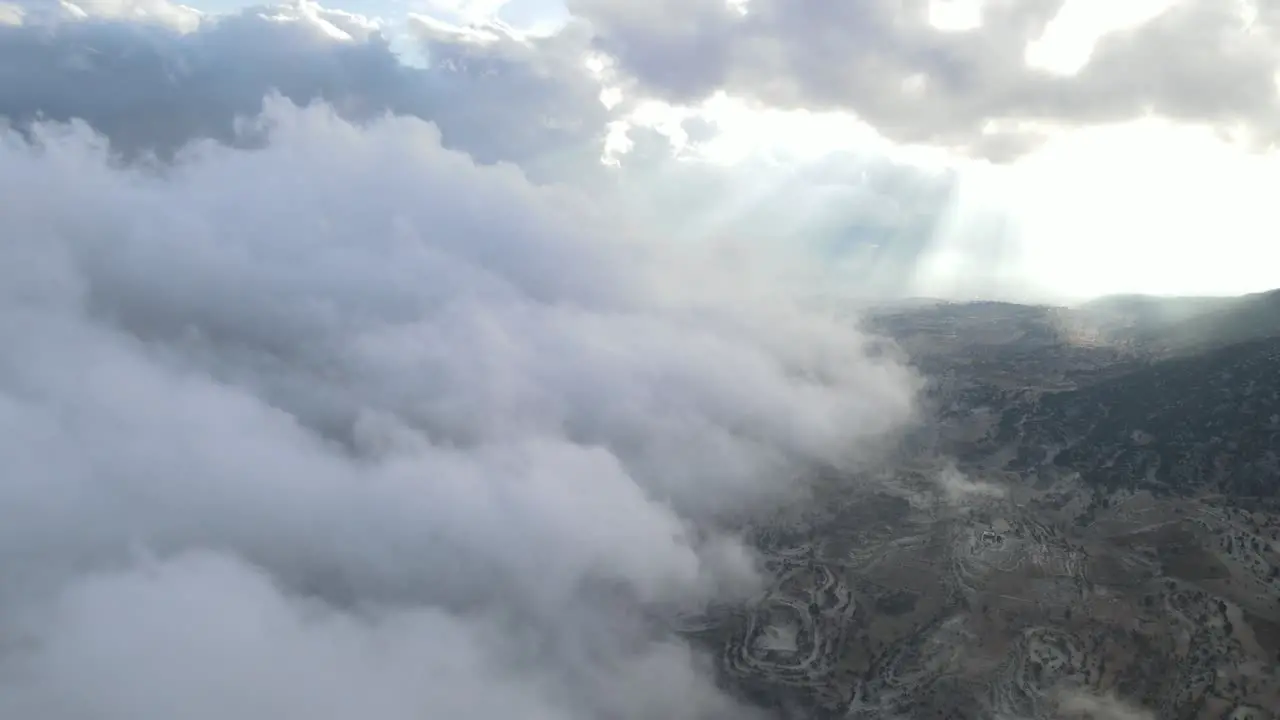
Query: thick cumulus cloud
<point>152,76</point>
<point>504,96</point>
<point>890,63</point>
<point>151,83</point>
<point>349,424</point>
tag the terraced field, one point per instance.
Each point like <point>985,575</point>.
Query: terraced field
<point>903,604</point>
<point>1045,546</point>
<point>793,636</point>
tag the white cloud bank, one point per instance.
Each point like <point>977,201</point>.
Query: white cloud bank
<point>349,425</point>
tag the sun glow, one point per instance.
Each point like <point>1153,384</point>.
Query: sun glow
<point>1146,207</point>
<point>1068,41</point>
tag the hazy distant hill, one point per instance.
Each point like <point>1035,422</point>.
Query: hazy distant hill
<point>1181,325</point>
<point>1191,404</point>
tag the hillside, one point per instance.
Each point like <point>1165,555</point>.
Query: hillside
<point>1204,422</point>
<point>1089,515</point>
<point>1185,325</point>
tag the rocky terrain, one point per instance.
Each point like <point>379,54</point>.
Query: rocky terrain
<point>1086,525</point>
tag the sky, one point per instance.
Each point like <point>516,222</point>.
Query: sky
<point>425,360</point>
<point>1063,149</point>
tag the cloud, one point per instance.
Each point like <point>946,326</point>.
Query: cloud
<point>350,423</point>
<point>150,12</point>
<point>152,85</point>
<point>149,86</point>
<point>1080,704</point>
<point>493,93</point>
<point>876,220</point>
<point>959,489</point>
<point>501,95</point>
<point>916,82</point>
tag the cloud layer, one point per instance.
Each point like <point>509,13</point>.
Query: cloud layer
<point>351,424</point>
<point>153,79</point>
<point>152,87</point>
<point>893,65</point>
<point>981,88</point>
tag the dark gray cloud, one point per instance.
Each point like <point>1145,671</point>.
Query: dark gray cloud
<point>153,86</point>
<point>532,101</point>
<point>885,61</point>
<point>503,97</point>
